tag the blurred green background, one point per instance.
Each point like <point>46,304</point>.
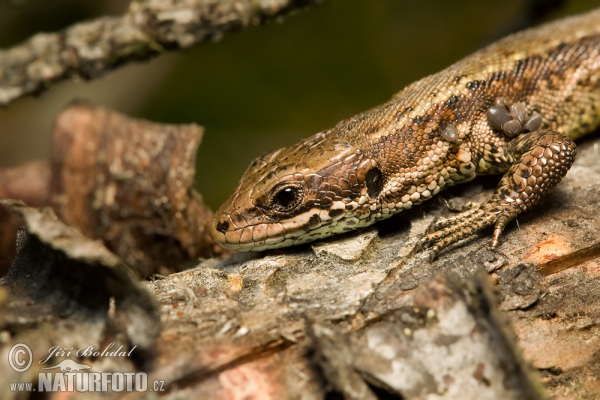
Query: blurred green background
<point>270,86</point>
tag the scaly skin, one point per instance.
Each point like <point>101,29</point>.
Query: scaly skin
<point>509,108</point>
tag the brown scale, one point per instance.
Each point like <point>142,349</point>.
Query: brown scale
<point>543,153</point>
<point>505,109</point>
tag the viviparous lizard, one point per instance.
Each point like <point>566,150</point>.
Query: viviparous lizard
<point>511,108</point>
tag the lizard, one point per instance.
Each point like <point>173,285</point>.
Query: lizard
<point>511,108</point>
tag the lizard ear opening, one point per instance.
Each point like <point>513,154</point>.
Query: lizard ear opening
<point>374,182</point>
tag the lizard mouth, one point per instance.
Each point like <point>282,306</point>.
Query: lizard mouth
<point>265,235</point>
<point>257,237</point>
<point>237,234</point>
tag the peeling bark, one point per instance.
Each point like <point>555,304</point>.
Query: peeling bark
<point>361,315</point>
<point>129,183</point>
<point>374,315</point>
<point>60,288</point>
<point>124,181</point>
<point>29,183</point>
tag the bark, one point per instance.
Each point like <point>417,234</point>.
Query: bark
<point>29,183</point>
<point>126,182</point>
<point>359,316</point>
<point>69,291</point>
<point>364,315</point>
<point>150,27</point>
<point>129,183</point>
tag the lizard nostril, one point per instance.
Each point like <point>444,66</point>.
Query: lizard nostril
<point>223,226</point>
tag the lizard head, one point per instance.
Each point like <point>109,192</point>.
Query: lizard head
<point>319,187</point>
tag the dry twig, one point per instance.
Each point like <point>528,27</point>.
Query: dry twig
<point>148,28</point>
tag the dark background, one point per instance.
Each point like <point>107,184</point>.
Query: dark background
<point>270,86</point>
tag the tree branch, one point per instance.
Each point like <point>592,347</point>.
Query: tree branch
<point>149,27</point>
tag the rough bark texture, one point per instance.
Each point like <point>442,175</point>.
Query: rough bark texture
<point>60,289</point>
<point>363,305</point>
<point>29,183</point>
<point>129,183</point>
<point>362,315</point>
<point>90,49</point>
<point>126,182</point>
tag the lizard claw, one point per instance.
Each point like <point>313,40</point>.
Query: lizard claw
<point>446,231</point>
<point>543,159</point>
<point>441,223</point>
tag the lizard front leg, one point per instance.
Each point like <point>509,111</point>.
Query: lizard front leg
<point>542,159</point>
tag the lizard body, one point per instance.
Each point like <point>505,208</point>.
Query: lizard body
<point>510,108</point>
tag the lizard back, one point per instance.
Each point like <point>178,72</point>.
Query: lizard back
<point>435,133</point>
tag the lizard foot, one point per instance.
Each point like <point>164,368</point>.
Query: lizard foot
<point>445,231</point>
<point>542,160</point>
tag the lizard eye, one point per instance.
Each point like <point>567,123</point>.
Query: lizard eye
<point>286,196</point>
